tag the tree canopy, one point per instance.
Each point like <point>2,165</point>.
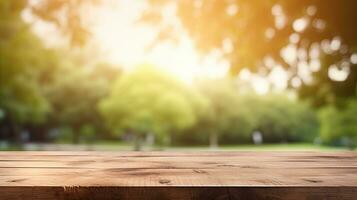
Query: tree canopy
<point>302,36</point>
<point>225,115</point>
<point>21,63</point>
<point>148,101</point>
<point>339,125</point>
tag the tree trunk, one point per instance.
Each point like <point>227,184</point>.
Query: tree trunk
<point>213,140</point>
<point>150,140</point>
<point>15,131</point>
<point>168,140</point>
<point>17,137</point>
<point>351,143</point>
<point>75,134</point>
<point>138,143</point>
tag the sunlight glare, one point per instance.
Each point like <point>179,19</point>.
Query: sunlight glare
<point>338,74</point>
<point>126,42</point>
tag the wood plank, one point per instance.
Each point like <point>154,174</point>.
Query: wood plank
<point>178,193</point>
<point>178,175</point>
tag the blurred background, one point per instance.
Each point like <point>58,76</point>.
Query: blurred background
<point>178,75</point>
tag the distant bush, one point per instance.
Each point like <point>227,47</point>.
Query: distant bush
<point>226,118</point>
<point>339,126</point>
<point>277,117</point>
<point>281,119</point>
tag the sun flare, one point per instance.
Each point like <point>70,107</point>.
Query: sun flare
<point>126,43</point>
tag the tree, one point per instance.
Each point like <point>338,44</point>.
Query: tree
<point>67,16</point>
<point>52,86</point>
<point>225,115</point>
<point>148,101</point>
<point>74,93</point>
<point>308,38</point>
<point>280,118</point>
<point>21,100</point>
<point>339,123</point>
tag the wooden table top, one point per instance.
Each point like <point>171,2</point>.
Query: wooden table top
<point>334,173</point>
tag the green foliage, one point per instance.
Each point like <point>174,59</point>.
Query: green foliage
<point>65,134</point>
<point>20,65</point>
<point>88,133</point>
<point>245,23</point>
<point>233,117</point>
<point>247,32</point>
<point>148,101</point>
<point>43,85</point>
<point>280,118</point>
<point>67,16</point>
<point>39,85</point>
<point>74,92</point>
<point>338,124</point>
<point>225,115</point>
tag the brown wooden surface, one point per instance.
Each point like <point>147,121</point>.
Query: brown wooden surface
<point>172,175</point>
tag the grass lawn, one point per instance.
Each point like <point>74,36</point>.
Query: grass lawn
<point>268,147</point>
<point>120,146</point>
<point>243,147</point>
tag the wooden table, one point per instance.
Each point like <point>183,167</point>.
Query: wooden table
<point>172,175</point>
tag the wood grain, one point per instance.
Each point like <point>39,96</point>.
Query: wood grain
<point>178,175</point>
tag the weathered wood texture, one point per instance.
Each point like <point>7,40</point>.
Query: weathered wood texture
<point>171,175</point>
